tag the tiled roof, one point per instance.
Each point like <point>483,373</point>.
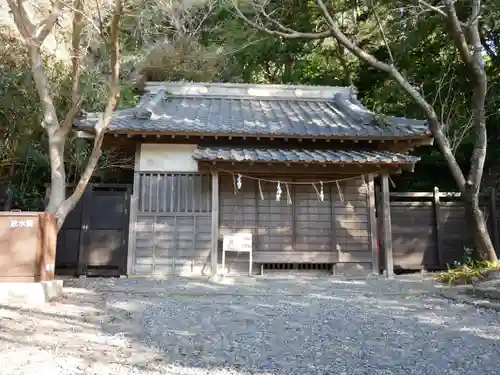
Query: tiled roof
<point>341,116</point>
<point>302,156</point>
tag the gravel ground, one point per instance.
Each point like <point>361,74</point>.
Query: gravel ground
<point>278,325</point>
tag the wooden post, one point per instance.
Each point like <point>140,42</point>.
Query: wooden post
<point>385,217</point>
<point>256,241</point>
<point>134,207</point>
<point>437,218</point>
<point>335,248</point>
<point>373,225</point>
<point>81,267</point>
<point>8,199</point>
<point>215,222</point>
<point>494,219</point>
<point>294,218</point>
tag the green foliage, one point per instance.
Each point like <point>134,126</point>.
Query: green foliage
<point>204,41</point>
<point>467,270</point>
<point>24,164</point>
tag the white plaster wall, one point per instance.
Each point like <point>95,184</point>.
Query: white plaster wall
<point>167,157</point>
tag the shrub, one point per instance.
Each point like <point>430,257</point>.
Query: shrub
<point>467,270</point>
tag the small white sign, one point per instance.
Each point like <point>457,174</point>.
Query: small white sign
<point>240,242</point>
<point>21,224</point>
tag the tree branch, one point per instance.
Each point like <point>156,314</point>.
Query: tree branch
<point>67,124</point>
<point>21,19</point>
<point>428,6</point>
<point>480,84</point>
<point>31,33</point>
<point>45,26</point>
<point>428,110</point>
<point>290,34</point>
<point>97,28</point>
<point>457,32</point>
<point>347,43</point>
<point>363,55</point>
<point>76,58</point>
<point>491,53</point>
<point>382,32</point>
<point>103,123</point>
<point>475,65</point>
<point>270,19</point>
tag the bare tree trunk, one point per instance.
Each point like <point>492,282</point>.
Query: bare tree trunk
<point>57,175</point>
<point>464,35</point>
<point>478,228</point>
<point>114,93</point>
<point>51,125</point>
<point>58,132</point>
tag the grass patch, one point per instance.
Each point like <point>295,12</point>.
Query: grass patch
<point>468,270</point>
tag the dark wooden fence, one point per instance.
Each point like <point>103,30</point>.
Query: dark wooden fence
<point>429,229</point>
<point>6,200</point>
<point>94,238</point>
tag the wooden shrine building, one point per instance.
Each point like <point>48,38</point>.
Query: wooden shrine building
<point>292,165</point>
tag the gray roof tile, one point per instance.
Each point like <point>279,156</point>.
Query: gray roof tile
<point>302,156</point>
<point>343,116</point>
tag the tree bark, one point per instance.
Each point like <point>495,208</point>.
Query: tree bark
<point>470,187</point>
<point>51,125</point>
<point>114,93</point>
<point>478,228</point>
<point>58,132</point>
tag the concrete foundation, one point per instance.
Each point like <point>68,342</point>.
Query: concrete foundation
<point>353,269</point>
<point>30,293</point>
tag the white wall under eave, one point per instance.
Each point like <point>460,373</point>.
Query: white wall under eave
<point>167,157</point>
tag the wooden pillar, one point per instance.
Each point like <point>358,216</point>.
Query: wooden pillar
<point>134,205</point>
<point>215,222</point>
<point>385,217</point>
<point>9,196</point>
<point>86,199</point>
<point>335,248</point>
<point>373,225</point>
<point>437,220</point>
<point>494,220</point>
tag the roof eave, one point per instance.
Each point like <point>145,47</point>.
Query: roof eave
<point>373,167</point>
<point>424,139</point>
<point>304,162</point>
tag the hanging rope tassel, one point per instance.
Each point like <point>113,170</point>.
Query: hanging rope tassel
<point>321,193</point>
<point>239,182</point>
<point>260,191</point>
<point>288,196</point>
<point>392,183</point>
<point>340,192</point>
<point>278,192</point>
<point>235,185</point>
<point>317,191</point>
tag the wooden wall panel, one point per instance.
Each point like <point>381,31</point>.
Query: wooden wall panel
<point>413,235</point>
<point>306,231</point>
<point>351,213</point>
<point>172,245</point>
<point>455,236</point>
<point>164,244</point>
<point>275,221</point>
<point>173,234</point>
<point>313,220</point>
<point>174,192</point>
<point>430,229</point>
<point>144,254</point>
<point>237,213</point>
